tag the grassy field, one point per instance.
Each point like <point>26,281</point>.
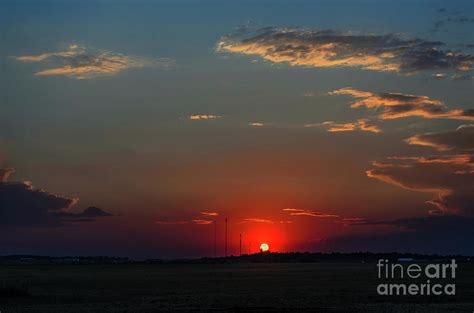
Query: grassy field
<point>314,287</point>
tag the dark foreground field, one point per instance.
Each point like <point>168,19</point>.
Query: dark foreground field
<point>315,287</point>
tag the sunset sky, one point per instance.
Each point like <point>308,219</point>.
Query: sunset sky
<point>128,128</point>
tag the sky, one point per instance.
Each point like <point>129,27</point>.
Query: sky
<point>134,128</point>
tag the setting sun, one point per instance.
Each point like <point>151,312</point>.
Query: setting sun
<point>264,247</point>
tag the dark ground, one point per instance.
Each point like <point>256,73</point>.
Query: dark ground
<point>297,287</point>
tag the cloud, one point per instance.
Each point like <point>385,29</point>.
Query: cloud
<point>23,205</point>
<point>460,139</point>
<point>202,222</point>
<point>90,212</point>
<point>353,220</point>
<point>423,222</point>
<point>257,220</point>
<point>334,127</point>
<point>451,18</point>
<point>462,77</point>
<point>5,173</point>
<point>450,177</point>
<point>439,75</point>
<point>198,221</point>
<point>81,63</point>
<point>73,50</point>
<point>208,213</point>
<point>359,125</point>
<point>445,234</point>
<point>398,105</point>
<point>204,117</point>
<point>331,48</point>
<point>256,124</point>
<point>364,125</point>
<point>300,212</point>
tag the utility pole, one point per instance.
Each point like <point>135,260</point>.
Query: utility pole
<point>225,247</point>
<point>215,238</point>
<point>240,250</point>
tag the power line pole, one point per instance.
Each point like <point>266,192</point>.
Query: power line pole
<point>215,238</point>
<point>225,247</point>
<point>240,250</point>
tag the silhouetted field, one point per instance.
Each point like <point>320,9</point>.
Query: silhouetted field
<point>253,287</point>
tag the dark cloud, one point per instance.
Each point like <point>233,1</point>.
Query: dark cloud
<point>23,205</point>
<point>330,48</point>
<point>454,19</point>
<point>81,63</point>
<point>450,177</point>
<point>445,234</point>
<point>90,212</point>
<point>422,223</point>
<point>461,139</point>
<point>398,105</point>
<point>439,24</point>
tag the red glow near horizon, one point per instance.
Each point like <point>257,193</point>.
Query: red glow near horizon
<point>273,235</point>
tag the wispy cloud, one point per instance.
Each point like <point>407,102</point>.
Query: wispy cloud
<point>209,213</point>
<point>359,125</point>
<point>398,105</point>
<point>330,48</point>
<point>350,221</point>
<point>462,77</point>
<point>301,212</point>
<point>202,222</point>
<point>256,124</point>
<point>82,63</point>
<point>460,139</point>
<point>439,75</point>
<point>309,94</point>
<point>73,51</point>
<point>258,220</point>
<point>204,117</point>
<point>197,220</point>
